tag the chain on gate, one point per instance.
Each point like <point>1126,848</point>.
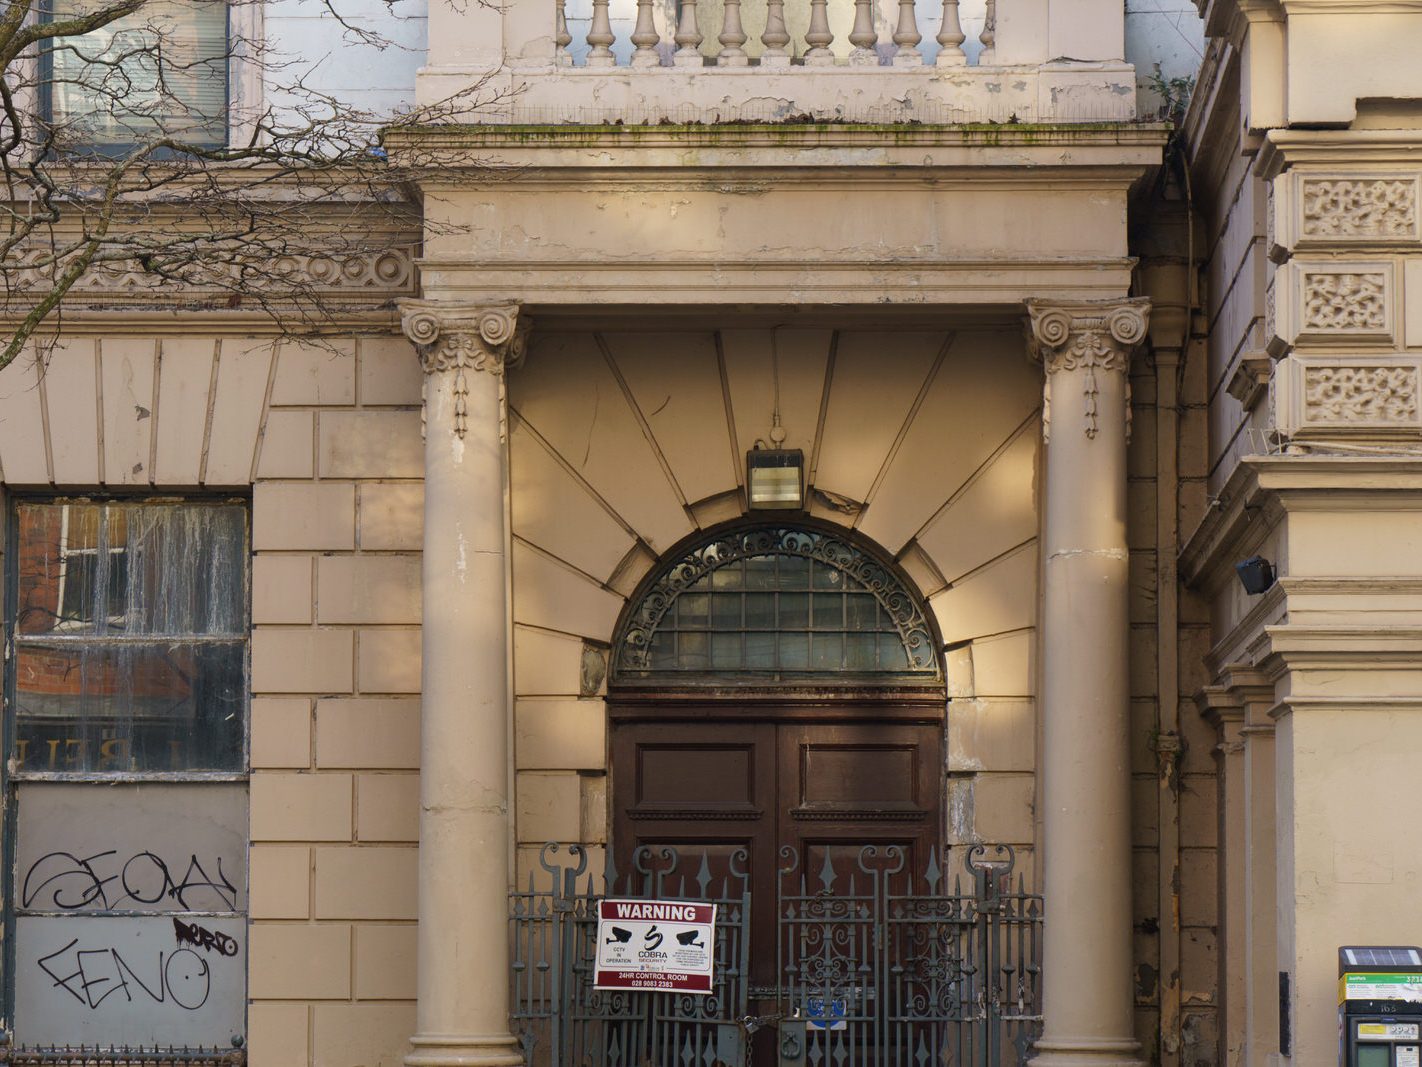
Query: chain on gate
<point>876,966</point>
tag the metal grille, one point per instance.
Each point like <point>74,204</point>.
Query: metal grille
<point>875,966</point>
<point>562,1021</point>
<point>778,603</point>
<point>895,971</point>
<point>121,1056</point>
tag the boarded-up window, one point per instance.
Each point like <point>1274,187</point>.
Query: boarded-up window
<point>127,693</point>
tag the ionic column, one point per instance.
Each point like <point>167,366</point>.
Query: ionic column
<point>463,966</point>
<point>1085,348</point>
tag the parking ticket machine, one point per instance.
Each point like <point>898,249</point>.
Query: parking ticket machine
<point>1380,1006</point>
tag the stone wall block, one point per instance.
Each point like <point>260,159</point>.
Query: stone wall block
<point>312,375</point>
<point>384,962</point>
<point>370,444</point>
<point>368,733</point>
<point>243,372</point>
<point>392,516</point>
<point>288,660</point>
<point>280,732</point>
<point>281,589</point>
<point>184,387</point>
<point>287,448</point>
<point>295,962</point>
<point>367,1034</point>
<point>366,883</point>
<point>389,372</point>
<point>280,882</point>
<point>127,369</point>
<point>301,807</point>
<point>388,807</point>
<point>307,516</point>
<point>389,661</point>
<point>548,807</point>
<point>368,589</point>
<point>560,734</point>
<point>71,389</point>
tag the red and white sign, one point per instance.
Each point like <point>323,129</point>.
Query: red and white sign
<point>655,944</point>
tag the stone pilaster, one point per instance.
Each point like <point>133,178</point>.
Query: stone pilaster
<point>1088,998</point>
<point>463,968</point>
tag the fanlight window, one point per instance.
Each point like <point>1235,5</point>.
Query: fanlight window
<point>777,605</point>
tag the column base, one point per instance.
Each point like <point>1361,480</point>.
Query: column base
<point>1087,1052</point>
<point>464,1050</point>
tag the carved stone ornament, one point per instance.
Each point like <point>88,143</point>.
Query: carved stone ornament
<point>1380,208</point>
<point>1089,335</point>
<point>460,339</point>
<point>1348,395</point>
<point>1334,301</point>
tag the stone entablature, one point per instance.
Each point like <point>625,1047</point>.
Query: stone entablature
<point>764,214</point>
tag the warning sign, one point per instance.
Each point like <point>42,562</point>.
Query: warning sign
<point>655,944</point>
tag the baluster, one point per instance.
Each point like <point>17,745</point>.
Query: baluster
<point>645,37</point>
<point>688,37</point>
<point>600,36</point>
<point>561,35</point>
<point>818,36</point>
<point>989,36</point>
<point>951,37</point>
<point>864,37</point>
<point>907,37</point>
<point>775,37</point>
<point>733,35</point>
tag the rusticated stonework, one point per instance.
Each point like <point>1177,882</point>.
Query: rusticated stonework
<point>1093,337</point>
<point>456,340</point>
<point>1383,207</point>
<point>1351,395</point>
<point>1345,301</point>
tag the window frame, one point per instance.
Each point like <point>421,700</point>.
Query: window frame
<point>12,777</point>
<point>113,150</point>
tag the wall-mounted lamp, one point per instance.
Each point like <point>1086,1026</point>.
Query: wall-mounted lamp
<point>1256,574</point>
<point>775,479</point>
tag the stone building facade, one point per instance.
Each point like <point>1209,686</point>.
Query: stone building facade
<point>1051,369</point>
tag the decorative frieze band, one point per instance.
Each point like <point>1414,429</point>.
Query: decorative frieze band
<point>1324,397</point>
<point>453,340</point>
<point>1097,337</point>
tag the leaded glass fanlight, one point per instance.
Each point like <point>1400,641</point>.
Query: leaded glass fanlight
<point>775,605</point>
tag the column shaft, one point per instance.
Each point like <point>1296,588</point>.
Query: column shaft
<point>463,965</point>
<point>1088,997</point>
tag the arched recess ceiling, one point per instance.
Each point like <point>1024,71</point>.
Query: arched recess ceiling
<point>622,443</point>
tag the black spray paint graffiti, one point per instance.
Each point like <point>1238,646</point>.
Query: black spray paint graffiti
<point>91,976</point>
<point>202,937</point>
<point>74,883</point>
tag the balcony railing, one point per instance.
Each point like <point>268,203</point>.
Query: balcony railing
<point>712,33</point>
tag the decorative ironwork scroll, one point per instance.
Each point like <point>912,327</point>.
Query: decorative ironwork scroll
<point>782,602</point>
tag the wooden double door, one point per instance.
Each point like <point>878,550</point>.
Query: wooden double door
<point>791,791</point>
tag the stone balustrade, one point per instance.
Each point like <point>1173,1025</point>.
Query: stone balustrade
<point>692,44</point>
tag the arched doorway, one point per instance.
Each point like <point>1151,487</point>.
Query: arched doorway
<point>776,708</point>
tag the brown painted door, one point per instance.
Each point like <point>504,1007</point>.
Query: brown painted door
<point>826,788</point>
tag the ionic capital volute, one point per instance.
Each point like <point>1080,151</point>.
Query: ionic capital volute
<point>1094,336</point>
<point>452,339</point>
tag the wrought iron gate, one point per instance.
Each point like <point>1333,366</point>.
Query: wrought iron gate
<point>879,966</point>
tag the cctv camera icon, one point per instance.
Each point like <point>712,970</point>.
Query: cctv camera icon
<point>690,939</point>
<point>619,936</point>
